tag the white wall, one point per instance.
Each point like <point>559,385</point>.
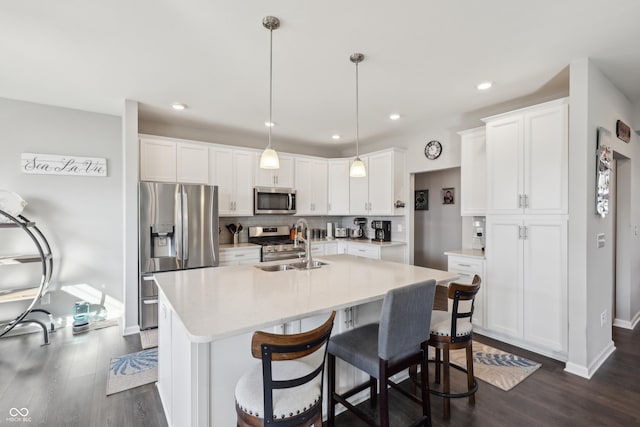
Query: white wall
<point>595,102</point>
<point>439,228</point>
<point>81,216</point>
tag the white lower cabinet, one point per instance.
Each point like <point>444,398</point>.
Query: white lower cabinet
<point>238,256</point>
<point>466,268</point>
<point>526,294</point>
<point>395,253</point>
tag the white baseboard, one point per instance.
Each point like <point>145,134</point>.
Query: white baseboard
<point>593,366</point>
<point>578,370</point>
<point>130,330</point>
<point>627,324</point>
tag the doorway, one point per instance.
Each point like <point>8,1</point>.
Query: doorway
<point>622,233</point>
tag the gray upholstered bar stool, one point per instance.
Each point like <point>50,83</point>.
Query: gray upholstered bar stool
<point>386,348</point>
<point>452,330</point>
<point>285,390</point>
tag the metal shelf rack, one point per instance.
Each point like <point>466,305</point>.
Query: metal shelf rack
<point>26,293</point>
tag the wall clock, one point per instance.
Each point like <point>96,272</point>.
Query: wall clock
<point>432,150</point>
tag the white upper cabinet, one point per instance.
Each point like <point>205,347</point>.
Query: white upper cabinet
<point>338,183</point>
<point>280,178</point>
<point>193,163</point>
<point>311,186</point>
<point>165,160</point>
<point>527,160</point>
<point>384,184</point>
<point>232,171</point>
<point>473,172</point>
<point>157,160</point>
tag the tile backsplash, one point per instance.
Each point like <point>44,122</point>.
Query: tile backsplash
<point>314,222</point>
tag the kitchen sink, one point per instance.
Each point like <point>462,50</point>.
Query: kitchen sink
<point>279,267</point>
<point>303,265</point>
<point>295,266</point>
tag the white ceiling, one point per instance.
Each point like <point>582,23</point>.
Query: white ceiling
<point>423,58</point>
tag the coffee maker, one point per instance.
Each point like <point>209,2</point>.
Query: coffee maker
<point>381,230</point>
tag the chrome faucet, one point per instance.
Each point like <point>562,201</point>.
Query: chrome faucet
<point>306,240</point>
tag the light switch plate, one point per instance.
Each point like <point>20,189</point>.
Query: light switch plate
<point>600,240</point>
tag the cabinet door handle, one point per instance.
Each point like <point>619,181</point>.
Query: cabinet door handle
<point>329,207</point>
<point>519,200</point>
<point>526,200</point>
<point>526,233</point>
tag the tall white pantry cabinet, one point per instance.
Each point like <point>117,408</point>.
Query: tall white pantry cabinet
<point>526,231</point>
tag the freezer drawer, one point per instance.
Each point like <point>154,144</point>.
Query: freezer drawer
<point>148,313</point>
<point>148,287</point>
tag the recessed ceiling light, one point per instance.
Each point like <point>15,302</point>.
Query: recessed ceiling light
<point>394,116</point>
<point>484,85</point>
<point>179,106</point>
<point>335,136</point>
<point>269,124</point>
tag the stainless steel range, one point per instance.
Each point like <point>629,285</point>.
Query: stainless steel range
<point>276,243</point>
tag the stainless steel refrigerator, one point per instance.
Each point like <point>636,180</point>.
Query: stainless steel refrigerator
<point>178,229</point>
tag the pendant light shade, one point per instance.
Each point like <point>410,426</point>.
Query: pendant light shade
<point>269,158</point>
<point>357,169</point>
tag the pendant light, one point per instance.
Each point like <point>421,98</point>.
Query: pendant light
<point>269,158</point>
<point>357,167</point>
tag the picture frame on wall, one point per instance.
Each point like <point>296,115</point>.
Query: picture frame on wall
<point>421,200</point>
<point>448,196</point>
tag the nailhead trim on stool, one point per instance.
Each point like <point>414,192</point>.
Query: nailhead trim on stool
<point>287,403</point>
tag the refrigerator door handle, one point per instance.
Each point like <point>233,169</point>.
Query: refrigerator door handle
<point>177,215</point>
<point>185,228</point>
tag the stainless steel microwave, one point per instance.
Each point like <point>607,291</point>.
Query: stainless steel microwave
<point>272,201</point>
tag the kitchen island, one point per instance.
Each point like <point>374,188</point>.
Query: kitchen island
<point>207,317</point>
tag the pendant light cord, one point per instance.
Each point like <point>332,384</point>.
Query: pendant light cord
<point>357,117</point>
<point>270,83</point>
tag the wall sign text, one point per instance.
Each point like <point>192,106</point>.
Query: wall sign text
<point>53,164</point>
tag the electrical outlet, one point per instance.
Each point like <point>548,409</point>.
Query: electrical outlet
<point>603,318</point>
<point>399,228</point>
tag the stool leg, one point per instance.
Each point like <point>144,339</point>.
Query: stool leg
<point>384,395</point>
<point>445,383</point>
<point>470,377</point>
<point>413,374</point>
<point>373,391</point>
<point>331,388</point>
<point>424,378</point>
<point>438,365</point>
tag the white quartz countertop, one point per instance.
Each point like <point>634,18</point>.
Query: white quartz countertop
<point>469,253</point>
<point>219,302</point>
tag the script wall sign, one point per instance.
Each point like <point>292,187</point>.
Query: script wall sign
<point>52,164</point>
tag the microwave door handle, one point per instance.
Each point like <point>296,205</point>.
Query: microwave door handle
<point>290,207</point>
<point>185,228</point>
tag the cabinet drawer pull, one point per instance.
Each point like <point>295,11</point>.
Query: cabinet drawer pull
<point>149,301</point>
<point>239,255</point>
<point>464,265</point>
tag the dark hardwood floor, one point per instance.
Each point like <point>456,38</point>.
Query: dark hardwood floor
<point>549,397</point>
<point>64,384</point>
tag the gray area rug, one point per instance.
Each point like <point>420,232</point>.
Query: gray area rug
<point>132,370</point>
<point>149,338</point>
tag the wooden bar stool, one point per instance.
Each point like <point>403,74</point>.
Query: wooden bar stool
<point>285,390</point>
<point>452,330</point>
<point>382,350</point>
